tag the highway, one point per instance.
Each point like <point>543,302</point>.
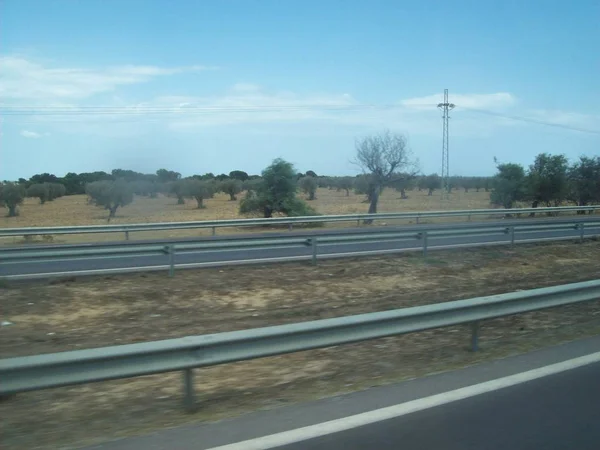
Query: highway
<point>556,412</point>
<point>236,256</point>
<point>547,399</point>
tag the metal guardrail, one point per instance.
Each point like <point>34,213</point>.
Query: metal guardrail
<point>126,361</point>
<point>290,221</point>
<point>421,235</point>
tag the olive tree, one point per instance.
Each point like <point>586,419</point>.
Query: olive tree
<point>177,188</point>
<point>40,191</point>
<point>509,185</point>
<point>309,185</point>
<point>547,180</point>
<point>232,187</point>
<point>432,182</point>
<point>11,196</point>
<point>55,190</point>
<point>199,190</point>
<point>403,183</point>
<point>275,193</point>
<point>110,195</point>
<point>387,159</point>
<point>584,181</point>
<point>345,184</point>
<point>364,186</point>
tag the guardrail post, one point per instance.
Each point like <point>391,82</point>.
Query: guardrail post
<point>512,237</point>
<point>126,235</point>
<point>358,222</point>
<point>290,226</point>
<point>581,232</point>
<point>189,398</point>
<point>417,219</point>
<point>469,218</point>
<point>214,230</point>
<point>475,336</point>
<point>313,243</point>
<point>171,250</point>
<point>424,244</point>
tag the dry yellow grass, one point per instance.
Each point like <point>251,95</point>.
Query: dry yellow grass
<point>74,210</point>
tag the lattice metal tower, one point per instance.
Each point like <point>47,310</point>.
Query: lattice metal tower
<point>445,107</point>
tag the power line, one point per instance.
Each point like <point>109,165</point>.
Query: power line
<point>146,110</point>
<point>529,120</point>
<point>133,110</point>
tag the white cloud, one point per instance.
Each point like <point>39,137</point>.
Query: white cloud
<point>61,91</point>
<point>23,79</point>
<point>30,134</point>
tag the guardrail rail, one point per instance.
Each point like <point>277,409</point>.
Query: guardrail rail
<point>289,221</point>
<point>574,228</point>
<point>45,371</point>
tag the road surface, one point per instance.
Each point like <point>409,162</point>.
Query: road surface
<point>551,409</point>
<point>232,256</point>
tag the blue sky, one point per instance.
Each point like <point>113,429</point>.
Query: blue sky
<point>213,86</point>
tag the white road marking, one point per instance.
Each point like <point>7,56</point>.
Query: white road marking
<point>390,412</point>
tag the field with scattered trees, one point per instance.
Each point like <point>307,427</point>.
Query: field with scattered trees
<point>389,180</point>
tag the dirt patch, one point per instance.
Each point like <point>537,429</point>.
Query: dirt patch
<point>134,308</point>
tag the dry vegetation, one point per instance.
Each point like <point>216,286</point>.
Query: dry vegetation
<point>125,309</point>
<point>74,210</point>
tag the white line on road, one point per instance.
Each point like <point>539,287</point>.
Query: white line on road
<point>390,412</point>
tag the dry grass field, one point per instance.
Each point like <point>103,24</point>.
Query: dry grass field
<point>74,210</point>
<point>92,312</point>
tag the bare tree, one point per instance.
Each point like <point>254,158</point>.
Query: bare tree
<point>387,159</point>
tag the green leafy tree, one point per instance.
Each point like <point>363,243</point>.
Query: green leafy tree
<point>39,190</point>
<point>166,176</point>
<point>276,193</point>
<point>199,190</point>
<point>238,175</point>
<point>509,185</point>
<point>231,187</point>
<point>11,196</point>
<point>547,179</point>
<point>584,181</point>
<point>385,158</point>
<point>73,184</point>
<point>43,178</point>
<point>110,195</point>
<point>309,185</point>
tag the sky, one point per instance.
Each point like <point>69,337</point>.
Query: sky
<point>221,85</point>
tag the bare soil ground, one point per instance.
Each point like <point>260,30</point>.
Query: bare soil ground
<point>74,210</point>
<point>116,310</point>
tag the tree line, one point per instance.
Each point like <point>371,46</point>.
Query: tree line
<point>385,161</point>
<point>549,181</point>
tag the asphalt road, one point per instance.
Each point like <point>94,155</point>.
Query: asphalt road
<point>557,411</point>
<point>208,257</point>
